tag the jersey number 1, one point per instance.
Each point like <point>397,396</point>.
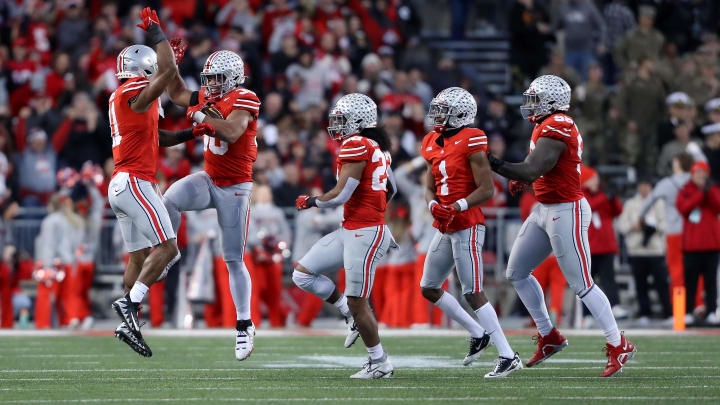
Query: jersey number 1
<point>444,190</point>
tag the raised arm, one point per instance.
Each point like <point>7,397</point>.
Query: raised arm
<point>166,70</point>
<point>540,161</point>
<point>232,128</point>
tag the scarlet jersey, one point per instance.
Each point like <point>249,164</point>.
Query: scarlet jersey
<point>134,134</point>
<point>450,165</point>
<point>229,164</point>
<point>562,182</point>
<point>366,206</point>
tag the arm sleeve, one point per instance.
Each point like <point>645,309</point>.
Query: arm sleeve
<point>194,98</point>
<point>341,198</point>
<point>248,101</point>
<point>353,150</point>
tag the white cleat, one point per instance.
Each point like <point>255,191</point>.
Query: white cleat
<point>374,370</point>
<point>353,333</point>
<point>244,343</point>
<point>504,366</point>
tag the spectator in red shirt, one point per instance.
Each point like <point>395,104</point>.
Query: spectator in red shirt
<point>21,67</point>
<point>55,80</point>
<point>603,245</point>
<point>699,204</point>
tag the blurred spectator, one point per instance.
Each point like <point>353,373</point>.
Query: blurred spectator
<point>640,103</point>
<point>420,87</point>
<point>529,35</point>
<point>643,41</point>
<point>711,149</point>
<point>591,100</point>
<point>666,190</point>
<point>680,108</point>
<point>712,109</point>
<point>619,19</point>
<point>699,204</point>
<point>601,235</point>
<point>72,29</point>
<point>645,243</point>
<point>268,242</point>
<point>682,143</point>
<point>85,132</point>
<point>583,30</point>
<point>21,69</point>
<point>36,166</point>
<point>290,188</point>
<point>237,14</point>
<point>558,67</point>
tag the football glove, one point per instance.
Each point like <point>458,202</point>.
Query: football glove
<point>203,129</point>
<point>441,213</point>
<point>194,113</point>
<point>304,202</point>
<point>516,186</point>
<point>178,46</point>
<point>148,17</point>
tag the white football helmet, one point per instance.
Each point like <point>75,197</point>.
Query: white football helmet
<point>545,95</point>
<point>226,70</point>
<point>136,61</point>
<point>350,115</point>
<point>453,107</point>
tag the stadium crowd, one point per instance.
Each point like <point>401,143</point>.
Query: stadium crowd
<point>646,96</point>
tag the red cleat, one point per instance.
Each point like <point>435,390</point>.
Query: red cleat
<point>618,356</point>
<point>547,346</point>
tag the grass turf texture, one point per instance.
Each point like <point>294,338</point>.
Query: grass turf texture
<point>100,369</point>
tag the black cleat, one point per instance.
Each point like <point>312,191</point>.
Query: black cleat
<point>504,366</point>
<point>134,340</point>
<point>128,313</point>
<point>477,345</point>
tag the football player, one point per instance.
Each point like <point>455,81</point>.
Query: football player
<point>133,195</point>
<point>363,239</point>
<point>226,182</point>
<point>558,223</point>
<point>459,179</point>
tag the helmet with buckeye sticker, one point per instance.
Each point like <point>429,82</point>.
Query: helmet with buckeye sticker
<point>223,71</point>
<point>351,114</point>
<point>453,107</point>
<point>136,61</point>
<point>546,95</point>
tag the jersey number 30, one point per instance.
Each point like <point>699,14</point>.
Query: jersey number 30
<point>217,147</point>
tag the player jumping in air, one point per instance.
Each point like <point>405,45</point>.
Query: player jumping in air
<point>558,223</point>
<point>363,239</point>
<point>226,182</point>
<point>132,192</point>
<point>458,180</point>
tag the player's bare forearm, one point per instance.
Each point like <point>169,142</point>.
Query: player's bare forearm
<point>155,88</point>
<point>171,138</point>
<point>165,57</point>
<point>348,170</point>
<point>482,174</point>
<point>540,161</point>
<point>232,128</point>
<point>429,186</point>
<point>178,92</point>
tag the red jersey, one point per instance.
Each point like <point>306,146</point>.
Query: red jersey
<point>229,164</point>
<point>450,165</point>
<point>134,135</point>
<point>366,206</point>
<point>562,182</point>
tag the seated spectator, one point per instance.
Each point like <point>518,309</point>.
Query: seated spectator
<point>36,166</point>
<point>682,143</point>
<point>699,204</point>
<point>645,243</point>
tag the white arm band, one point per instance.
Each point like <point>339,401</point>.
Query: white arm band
<point>463,204</point>
<point>341,198</point>
<point>198,116</point>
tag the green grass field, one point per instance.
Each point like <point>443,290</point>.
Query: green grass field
<point>100,369</point>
